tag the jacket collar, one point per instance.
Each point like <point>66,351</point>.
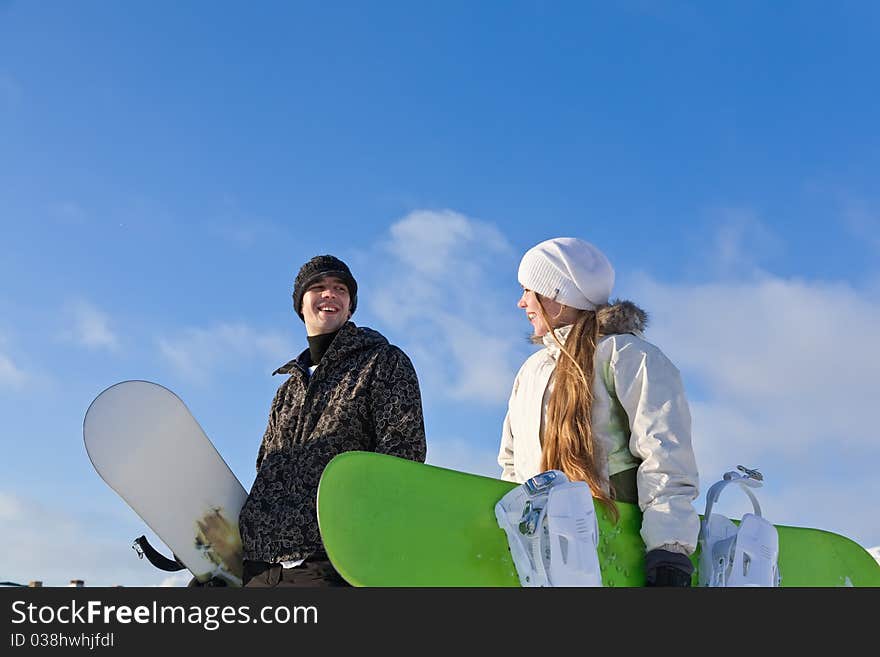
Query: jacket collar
<point>350,339</point>
<point>614,319</point>
<point>561,334</point>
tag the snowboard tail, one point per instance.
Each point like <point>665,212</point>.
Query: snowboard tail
<point>146,445</point>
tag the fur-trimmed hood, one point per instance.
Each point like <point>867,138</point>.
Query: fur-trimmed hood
<point>616,318</point>
<point>621,316</point>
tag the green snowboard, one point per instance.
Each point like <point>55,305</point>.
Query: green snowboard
<point>386,521</point>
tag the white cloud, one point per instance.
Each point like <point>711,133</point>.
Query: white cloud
<point>10,374</point>
<point>440,243</point>
<point>90,326</point>
<point>796,358</point>
<point>840,500</point>
<point>181,578</point>
<point>197,352</point>
<point>731,239</point>
<point>464,456</point>
<point>437,288</point>
<point>484,361</point>
<point>54,546</point>
<point>10,508</point>
<point>738,246</point>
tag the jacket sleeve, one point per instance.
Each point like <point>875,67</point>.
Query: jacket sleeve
<point>270,436</point>
<point>505,453</point>
<point>650,389</point>
<point>396,407</point>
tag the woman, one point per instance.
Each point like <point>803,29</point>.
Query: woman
<point>601,404</point>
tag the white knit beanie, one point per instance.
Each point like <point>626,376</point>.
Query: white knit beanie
<point>568,270</point>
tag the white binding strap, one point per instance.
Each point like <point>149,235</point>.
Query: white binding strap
<point>743,555</point>
<point>552,531</point>
<point>715,491</point>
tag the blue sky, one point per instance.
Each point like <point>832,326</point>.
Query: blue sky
<point>165,168</point>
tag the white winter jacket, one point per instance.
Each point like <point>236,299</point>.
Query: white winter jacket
<point>640,419</point>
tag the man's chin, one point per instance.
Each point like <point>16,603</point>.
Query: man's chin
<point>322,328</point>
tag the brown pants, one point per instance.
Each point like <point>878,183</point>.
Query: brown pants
<point>309,573</point>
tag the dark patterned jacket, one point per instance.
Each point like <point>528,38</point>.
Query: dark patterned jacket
<point>364,395</point>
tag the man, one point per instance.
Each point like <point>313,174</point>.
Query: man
<point>350,390</point>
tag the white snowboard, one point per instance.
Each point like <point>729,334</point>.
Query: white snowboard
<point>147,446</point>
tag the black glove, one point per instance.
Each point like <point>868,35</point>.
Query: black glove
<point>665,568</point>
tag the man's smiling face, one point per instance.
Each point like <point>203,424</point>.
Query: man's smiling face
<point>326,305</point>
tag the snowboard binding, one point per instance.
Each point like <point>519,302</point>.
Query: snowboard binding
<point>743,555</point>
<point>552,531</point>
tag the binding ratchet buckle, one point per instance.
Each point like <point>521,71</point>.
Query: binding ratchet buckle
<point>751,474</point>
<point>540,482</point>
<point>531,517</point>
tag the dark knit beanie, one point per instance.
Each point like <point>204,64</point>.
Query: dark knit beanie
<point>316,269</point>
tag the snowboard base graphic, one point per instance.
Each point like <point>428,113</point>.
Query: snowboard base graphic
<point>391,522</point>
<point>143,441</point>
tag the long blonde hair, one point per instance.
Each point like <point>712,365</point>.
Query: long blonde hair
<point>568,442</point>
